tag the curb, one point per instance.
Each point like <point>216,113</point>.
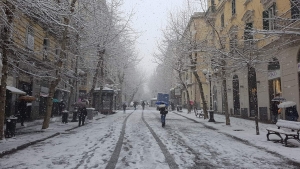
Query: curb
<point>21,147</point>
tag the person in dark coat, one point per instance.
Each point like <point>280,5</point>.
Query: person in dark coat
<point>163,111</point>
<point>172,106</point>
<point>292,113</point>
<point>82,114</point>
<point>124,107</point>
<point>134,105</point>
<point>61,106</point>
<point>143,105</point>
<point>22,111</point>
<point>274,110</point>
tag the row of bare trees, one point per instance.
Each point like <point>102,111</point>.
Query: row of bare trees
<point>221,50</point>
<point>93,36</point>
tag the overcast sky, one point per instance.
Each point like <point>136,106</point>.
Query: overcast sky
<point>150,17</point>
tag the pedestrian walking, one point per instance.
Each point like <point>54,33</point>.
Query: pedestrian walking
<point>61,106</point>
<point>124,107</point>
<point>143,105</point>
<point>82,114</point>
<point>163,111</point>
<point>275,111</point>
<point>292,113</point>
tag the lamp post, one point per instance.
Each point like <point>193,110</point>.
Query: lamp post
<point>211,112</point>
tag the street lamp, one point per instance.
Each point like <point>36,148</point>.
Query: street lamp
<point>208,77</point>
<point>211,112</point>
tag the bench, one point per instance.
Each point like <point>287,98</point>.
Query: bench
<point>291,125</point>
<point>199,113</point>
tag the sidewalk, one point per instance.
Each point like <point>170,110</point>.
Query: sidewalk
<point>244,130</point>
<point>33,133</point>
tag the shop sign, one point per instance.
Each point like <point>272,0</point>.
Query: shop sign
<point>10,81</point>
<point>298,67</point>
<point>274,74</point>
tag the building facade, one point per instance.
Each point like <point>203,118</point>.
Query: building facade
<point>254,45</point>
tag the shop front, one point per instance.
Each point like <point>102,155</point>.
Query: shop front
<point>274,81</point>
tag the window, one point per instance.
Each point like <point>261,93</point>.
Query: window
<point>269,18</point>
<point>46,47</point>
<point>30,38</point>
<point>295,9</point>
<point>233,43</point>
<point>233,7</point>
<point>274,64</point>
<point>265,20</point>
<point>46,44</point>
<point>57,51</point>
<point>222,20</point>
<point>248,33</point>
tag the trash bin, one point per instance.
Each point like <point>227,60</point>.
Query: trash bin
<point>65,115</point>
<point>211,116</point>
<point>90,113</point>
<point>10,126</point>
<point>179,108</point>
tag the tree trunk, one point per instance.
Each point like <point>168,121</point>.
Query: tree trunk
<point>74,89</point>
<point>188,100</point>
<point>5,53</point>
<point>55,82</point>
<point>187,92</point>
<point>202,94</point>
<point>99,69</point>
<point>50,103</point>
<point>224,84</point>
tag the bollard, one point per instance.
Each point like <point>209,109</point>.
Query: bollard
<point>211,116</point>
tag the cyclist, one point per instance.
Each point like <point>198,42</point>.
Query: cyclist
<point>143,105</point>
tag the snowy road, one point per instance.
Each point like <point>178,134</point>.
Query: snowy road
<point>137,140</point>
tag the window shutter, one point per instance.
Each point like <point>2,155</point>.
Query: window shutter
<point>265,20</point>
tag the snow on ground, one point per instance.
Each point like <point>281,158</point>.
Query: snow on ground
<point>246,131</point>
<point>191,144</point>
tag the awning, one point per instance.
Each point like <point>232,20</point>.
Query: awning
<point>15,90</point>
<point>44,94</point>
<point>64,90</point>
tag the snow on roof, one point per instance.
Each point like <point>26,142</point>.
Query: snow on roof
<point>15,90</point>
<point>154,98</point>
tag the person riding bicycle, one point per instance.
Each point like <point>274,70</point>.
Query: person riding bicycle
<point>143,105</point>
<point>163,111</point>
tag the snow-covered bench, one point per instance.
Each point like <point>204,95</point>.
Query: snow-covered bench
<point>199,113</point>
<point>292,125</point>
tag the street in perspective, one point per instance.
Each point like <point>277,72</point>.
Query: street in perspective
<point>136,139</point>
<point>160,84</point>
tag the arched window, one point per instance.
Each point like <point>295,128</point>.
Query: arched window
<point>274,64</point>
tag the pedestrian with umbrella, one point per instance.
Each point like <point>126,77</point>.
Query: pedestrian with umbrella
<point>82,113</point>
<point>290,110</point>
<point>275,111</point>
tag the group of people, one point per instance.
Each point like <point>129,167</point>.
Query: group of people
<point>143,104</point>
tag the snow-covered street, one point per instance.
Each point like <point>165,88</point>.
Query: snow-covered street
<point>135,139</point>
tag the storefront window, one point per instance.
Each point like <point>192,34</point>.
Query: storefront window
<point>274,77</point>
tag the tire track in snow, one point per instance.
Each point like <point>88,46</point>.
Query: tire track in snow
<point>169,158</point>
<point>115,156</point>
